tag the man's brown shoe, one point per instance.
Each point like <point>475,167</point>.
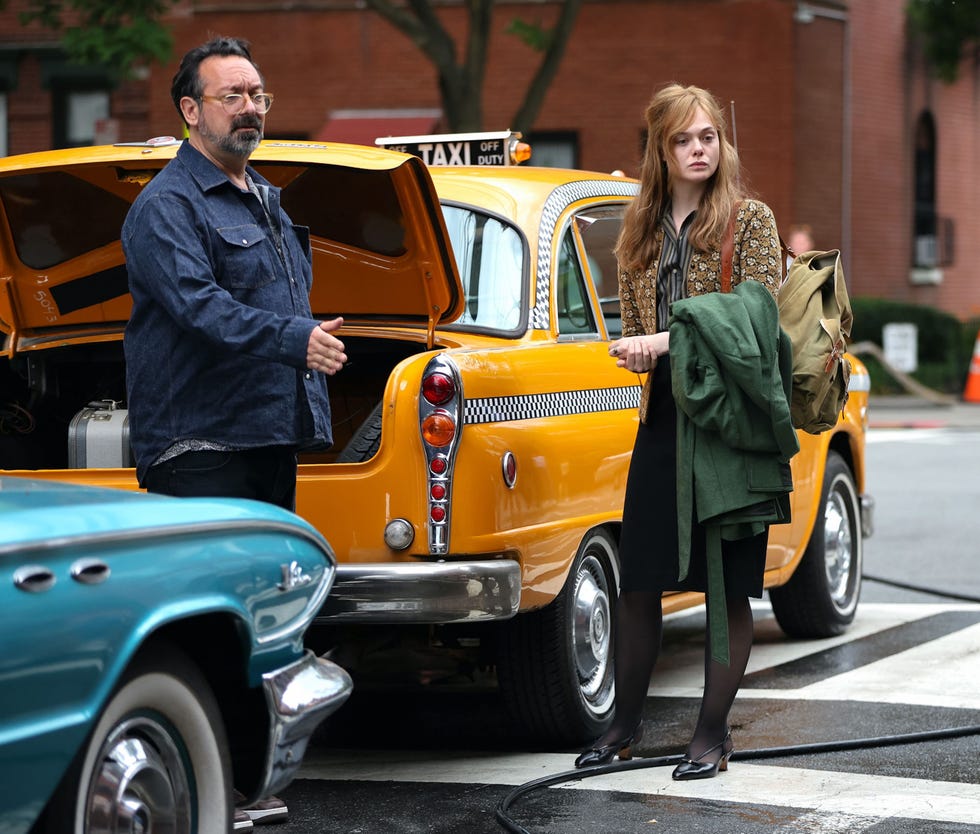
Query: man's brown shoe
<point>266,810</point>
<point>242,821</point>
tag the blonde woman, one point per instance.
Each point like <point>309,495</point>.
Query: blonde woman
<point>670,249</point>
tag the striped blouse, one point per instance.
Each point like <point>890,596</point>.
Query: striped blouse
<point>756,256</point>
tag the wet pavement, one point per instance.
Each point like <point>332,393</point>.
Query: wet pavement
<point>899,691</point>
<point>447,762</point>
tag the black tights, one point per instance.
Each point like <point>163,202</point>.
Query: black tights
<point>639,631</point>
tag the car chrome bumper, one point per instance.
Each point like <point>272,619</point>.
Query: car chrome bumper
<point>867,516</point>
<point>299,697</point>
<point>427,592</point>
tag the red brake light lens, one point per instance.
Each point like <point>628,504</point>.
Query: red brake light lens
<point>438,389</point>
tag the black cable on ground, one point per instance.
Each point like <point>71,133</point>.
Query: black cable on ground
<point>935,592</point>
<point>504,818</point>
<point>763,753</point>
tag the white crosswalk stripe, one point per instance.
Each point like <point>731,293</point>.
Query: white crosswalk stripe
<point>746,783</point>
<point>943,672</point>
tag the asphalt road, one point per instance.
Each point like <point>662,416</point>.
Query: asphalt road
<point>892,689</point>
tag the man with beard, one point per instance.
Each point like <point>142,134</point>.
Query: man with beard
<point>226,366</point>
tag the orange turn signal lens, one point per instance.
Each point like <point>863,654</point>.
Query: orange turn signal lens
<point>519,152</point>
<point>438,429</point>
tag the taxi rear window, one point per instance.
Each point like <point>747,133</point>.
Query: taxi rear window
<point>54,217</point>
<point>490,257</point>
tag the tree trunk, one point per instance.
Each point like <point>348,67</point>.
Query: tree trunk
<point>538,87</point>
<point>461,84</point>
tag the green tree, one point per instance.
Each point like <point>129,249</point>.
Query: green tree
<point>121,35</point>
<point>948,29</point>
<point>117,35</point>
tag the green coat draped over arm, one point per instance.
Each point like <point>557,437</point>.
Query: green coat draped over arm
<point>731,373</point>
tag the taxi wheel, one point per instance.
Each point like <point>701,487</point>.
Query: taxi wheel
<point>821,598</point>
<point>157,758</point>
<point>555,665</point>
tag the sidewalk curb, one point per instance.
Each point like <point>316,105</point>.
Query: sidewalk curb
<point>908,424</point>
<point>909,412</point>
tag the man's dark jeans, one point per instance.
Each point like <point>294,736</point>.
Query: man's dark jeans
<point>264,474</point>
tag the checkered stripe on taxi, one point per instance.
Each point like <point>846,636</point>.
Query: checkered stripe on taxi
<point>561,403</point>
<point>559,199</point>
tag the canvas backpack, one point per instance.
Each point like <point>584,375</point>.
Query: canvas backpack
<point>815,313</point>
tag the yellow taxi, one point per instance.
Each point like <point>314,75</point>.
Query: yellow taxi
<point>474,493</point>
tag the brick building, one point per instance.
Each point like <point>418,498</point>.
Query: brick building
<point>837,121</point>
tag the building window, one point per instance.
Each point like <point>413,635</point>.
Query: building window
<point>75,115</point>
<point>553,149</point>
<point>925,229</point>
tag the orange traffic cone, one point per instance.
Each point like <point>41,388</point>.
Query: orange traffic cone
<point>971,393</point>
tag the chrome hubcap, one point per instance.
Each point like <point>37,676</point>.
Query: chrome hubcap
<point>592,635</point>
<point>838,547</point>
<point>139,785</point>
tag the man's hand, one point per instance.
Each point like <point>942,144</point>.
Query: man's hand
<point>325,352</point>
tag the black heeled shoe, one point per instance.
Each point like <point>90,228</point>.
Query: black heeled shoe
<point>697,769</point>
<point>595,756</point>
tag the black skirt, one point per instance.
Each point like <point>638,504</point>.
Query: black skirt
<point>648,543</point>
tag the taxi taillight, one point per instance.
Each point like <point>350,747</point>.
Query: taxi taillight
<point>438,388</point>
<point>438,429</point>
<point>440,412</point>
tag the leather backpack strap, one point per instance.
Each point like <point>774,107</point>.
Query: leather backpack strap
<point>788,257</point>
<point>727,249</point>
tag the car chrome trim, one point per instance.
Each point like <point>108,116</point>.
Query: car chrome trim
<point>34,578</point>
<point>193,528</point>
<point>560,199</point>
<point>293,576</point>
<point>89,571</point>
<point>426,592</point>
<point>299,697</point>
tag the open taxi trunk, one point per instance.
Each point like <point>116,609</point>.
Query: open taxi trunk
<point>381,258</point>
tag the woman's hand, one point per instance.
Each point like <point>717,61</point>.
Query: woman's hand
<point>639,353</point>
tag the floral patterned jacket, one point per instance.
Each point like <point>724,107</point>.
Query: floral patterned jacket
<point>757,256</point>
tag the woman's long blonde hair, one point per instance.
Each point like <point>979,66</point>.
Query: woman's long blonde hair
<point>668,113</point>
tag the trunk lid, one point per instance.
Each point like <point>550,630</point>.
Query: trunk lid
<point>381,252</point>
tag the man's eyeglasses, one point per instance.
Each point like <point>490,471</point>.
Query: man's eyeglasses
<point>234,103</point>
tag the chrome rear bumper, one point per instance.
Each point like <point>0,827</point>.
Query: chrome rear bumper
<point>424,592</point>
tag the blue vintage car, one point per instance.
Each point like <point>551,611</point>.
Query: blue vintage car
<point>151,657</point>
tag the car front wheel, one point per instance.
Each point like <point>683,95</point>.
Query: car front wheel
<point>821,598</point>
<point>157,759</point>
<point>555,665</point>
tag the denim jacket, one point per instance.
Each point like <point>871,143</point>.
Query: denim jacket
<point>217,339</point>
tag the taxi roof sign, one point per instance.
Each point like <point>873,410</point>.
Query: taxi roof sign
<point>502,147</point>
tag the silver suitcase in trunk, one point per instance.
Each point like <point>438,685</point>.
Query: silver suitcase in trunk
<point>98,437</point>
